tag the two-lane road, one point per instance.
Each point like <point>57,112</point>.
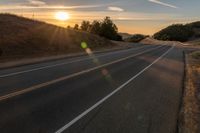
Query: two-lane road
<point>134,90</point>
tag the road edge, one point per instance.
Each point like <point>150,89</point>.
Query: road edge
<point>36,60</point>
<point>189,101</point>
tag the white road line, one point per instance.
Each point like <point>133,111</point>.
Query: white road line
<point>35,87</point>
<point>65,63</point>
<point>109,95</point>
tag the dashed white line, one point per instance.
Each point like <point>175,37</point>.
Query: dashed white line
<point>35,87</point>
<point>109,95</point>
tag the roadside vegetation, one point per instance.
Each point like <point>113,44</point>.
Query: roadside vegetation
<point>105,28</point>
<point>196,55</point>
<point>136,38</point>
<point>190,112</point>
<point>179,32</point>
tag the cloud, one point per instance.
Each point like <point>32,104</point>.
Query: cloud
<point>45,7</point>
<point>36,3</point>
<point>162,3</point>
<point>118,9</point>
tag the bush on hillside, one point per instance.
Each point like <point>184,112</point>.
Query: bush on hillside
<point>136,38</point>
<point>194,24</point>
<point>176,32</point>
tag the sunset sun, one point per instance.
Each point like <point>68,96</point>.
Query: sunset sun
<point>62,16</point>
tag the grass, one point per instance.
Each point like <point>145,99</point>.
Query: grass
<point>196,55</point>
<point>21,38</point>
<point>190,113</point>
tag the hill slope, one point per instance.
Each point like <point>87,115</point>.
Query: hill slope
<point>24,37</point>
<point>179,32</point>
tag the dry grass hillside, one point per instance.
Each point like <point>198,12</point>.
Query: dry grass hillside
<point>22,37</point>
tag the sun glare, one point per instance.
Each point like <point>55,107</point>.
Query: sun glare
<point>62,16</point>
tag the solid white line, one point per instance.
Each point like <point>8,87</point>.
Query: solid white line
<point>109,95</point>
<point>65,63</point>
<point>69,76</point>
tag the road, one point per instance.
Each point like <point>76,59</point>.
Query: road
<point>135,90</point>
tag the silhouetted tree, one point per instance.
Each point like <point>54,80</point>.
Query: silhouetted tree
<point>136,38</point>
<point>85,25</point>
<point>76,26</point>
<point>95,27</point>
<point>68,27</point>
<point>109,29</point>
<point>106,28</point>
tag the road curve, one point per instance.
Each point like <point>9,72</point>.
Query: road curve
<point>134,90</point>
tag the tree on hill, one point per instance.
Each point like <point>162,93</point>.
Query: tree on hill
<point>136,38</point>
<point>95,27</point>
<point>176,32</point>
<point>85,25</point>
<point>76,26</point>
<point>194,24</point>
<point>109,29</point>
<point>105,28</point>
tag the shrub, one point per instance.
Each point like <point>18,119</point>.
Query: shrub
<point>196,55</point>
<point>176,32</point>
<point>136,38</point>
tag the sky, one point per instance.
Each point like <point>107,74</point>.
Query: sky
<point>131,16</point>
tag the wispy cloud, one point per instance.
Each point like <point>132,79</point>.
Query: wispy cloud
<point>36,3</point>
<point>17,7</point>
<point>118,9</point>
<point>163,3</point>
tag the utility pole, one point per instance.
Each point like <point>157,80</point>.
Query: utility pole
<point>33,16</point>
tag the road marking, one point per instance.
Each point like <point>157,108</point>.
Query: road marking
<point>60,64</point>
<point>109,95</point>
<point>35,87</point>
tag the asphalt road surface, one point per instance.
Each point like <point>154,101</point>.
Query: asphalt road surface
<point>136,90</point>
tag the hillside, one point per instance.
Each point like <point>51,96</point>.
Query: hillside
<point>22,37</point>
<point>125,35</point>
<point>179,32</point>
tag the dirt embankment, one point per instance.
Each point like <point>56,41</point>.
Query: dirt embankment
<point>150,40</point>
<point>190,111</point>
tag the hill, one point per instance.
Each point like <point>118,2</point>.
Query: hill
<point>179,32</point>
<point>136,38</point>
<point>22,37</point>
<point>125,35</point>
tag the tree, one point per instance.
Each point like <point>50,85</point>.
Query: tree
<point>106,28</point>
<point>68,27</point>
<point>136,38</point>
<point>85,25</point>
<point>95,27</point>
<point>109,29</point>
<point>76,26</point>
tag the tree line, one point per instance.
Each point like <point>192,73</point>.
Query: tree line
<point>105,28</point>
<point>175,32</point>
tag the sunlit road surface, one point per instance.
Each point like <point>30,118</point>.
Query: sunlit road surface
<point>135,90</point>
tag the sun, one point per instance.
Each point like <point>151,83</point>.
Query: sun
<point>62,16</point>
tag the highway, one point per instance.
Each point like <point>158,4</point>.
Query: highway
<point>136,90</point>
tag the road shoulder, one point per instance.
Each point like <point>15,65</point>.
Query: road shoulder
<point>34,60</point>
<point>190,110</point>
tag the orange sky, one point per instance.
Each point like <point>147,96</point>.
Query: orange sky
<point>131,16</point>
